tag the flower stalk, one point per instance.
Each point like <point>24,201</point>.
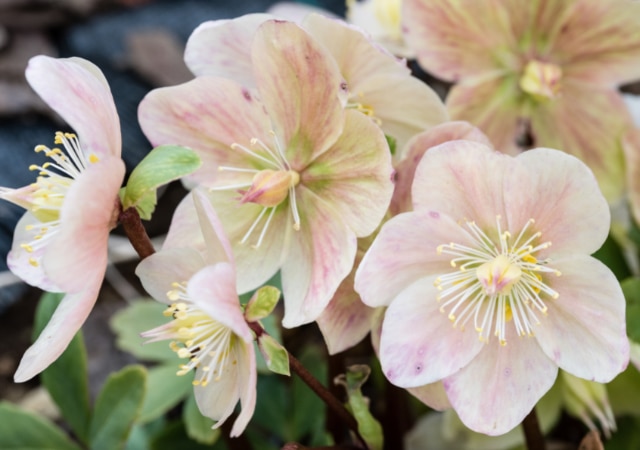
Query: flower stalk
<point>532,432</point>
<point>135,231</point>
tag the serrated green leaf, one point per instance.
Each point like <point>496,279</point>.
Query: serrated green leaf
<point>197,426</point>
<point>165,390</point>
<point>20,430</point>
<point>161,166</point>
<point>369,428</point>
<point>66,378</point>
<point>128,323</point>
<point>262,303</point>
<point>274,354</point>
<point>631,289</point>
<point>117,408</point>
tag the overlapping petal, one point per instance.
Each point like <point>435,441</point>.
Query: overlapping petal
<point>77,90</point>
<point>222,48</point>
<point>407,248</point>
<point>321,255</point>
<point>586,319</point>
<point>290,69</point>
<point>568,207</point>
<point>495,392</point>
<point>432,350</point>
<point>588,123</point>
<point>62,327</point>
<point>354,175</point>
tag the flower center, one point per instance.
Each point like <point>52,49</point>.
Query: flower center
<point>541,80</point>
<point>44,197</point>
<point>271,184</point>
<point>496,283</point>
<point>205,342</point>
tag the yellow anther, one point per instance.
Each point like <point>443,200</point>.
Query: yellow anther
<point>33,262</point>
<point>93,158</point>
<point>27,247</point>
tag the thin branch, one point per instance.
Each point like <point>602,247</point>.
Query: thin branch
<point>135,231</point>
<point>532,432</point>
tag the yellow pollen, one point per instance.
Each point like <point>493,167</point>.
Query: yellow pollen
<point>93,158</point>
<point>33,262</point>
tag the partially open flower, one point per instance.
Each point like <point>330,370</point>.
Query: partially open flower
<point>208,329</point>
<point>60,244</point>
<point>490,286</point>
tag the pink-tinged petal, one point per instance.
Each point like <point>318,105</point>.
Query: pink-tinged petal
<point>631,146</point>
<point>403,104</point>
<point>588,123</point>
<point>301,87</point>
<point>416,148</point>
<point>407,248</point>
<point>495,392</point>
<point>599,42</point>
<point>321,255</point>
<point>222,48</point>
<point>213,290</point>
<point>297,12</point>
<point>379,81</point>
<point>433,395</point>
<point>88,214</point>
<point>454,40</point>
<point>354,175</point>
<point>567,207</point>
<point>184,230</point>
<point>218,248</point>
<point>255,264</point>
<point>63,325</point>
<point>159,271</point>
<point>20,261</point>
<point>218,399</point>
<point>492,104</point>
<point>207,114</point>
<point>346,320</point>
<point>464,180</point>
<point>419,344</point>
<point>77,90</point>
<point>584,331</point>
<point>248,379</point>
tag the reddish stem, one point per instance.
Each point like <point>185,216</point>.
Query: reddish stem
<point>135,231</point>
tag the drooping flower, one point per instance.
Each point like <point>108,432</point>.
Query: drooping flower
<point>378,84</point>
<point>208,329</point>
<point>542,70</point>
<point>294,177</point>
<point>489,284</point>
<point>60,244</point>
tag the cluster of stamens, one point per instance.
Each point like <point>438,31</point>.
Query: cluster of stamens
<point>367,110</point>
<point>205,342</point>
<point>496,283</point>
<point>50,188</point>
<point>279,169</point>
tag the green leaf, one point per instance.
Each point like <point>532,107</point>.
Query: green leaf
<point>262,303</point>
<point>369,428</point>
<point>66,378</point>
<point>165,390</point>
<point>20,430</point>
<point>161,166</point>
<point>197,426</point>
<point>174,437</point>
<point>611,254</point>
<point>141,315</point>
<point>117,408</point>
<point>274,354</point>
<point>392,142</point>
<point>631,289</point>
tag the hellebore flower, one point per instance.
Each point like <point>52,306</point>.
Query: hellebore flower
<point>489,284</point>
<point>543,71</point>
<point>294,178</point>
<point>379,85</point>
<point>60,244</point>
<point>208,327</point>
